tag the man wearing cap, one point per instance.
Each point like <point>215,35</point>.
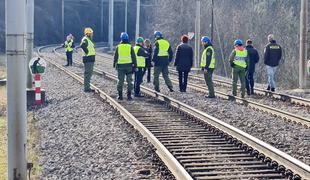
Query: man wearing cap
<point>272,57</point>
<point>141,55</point>
<point>239,62</point>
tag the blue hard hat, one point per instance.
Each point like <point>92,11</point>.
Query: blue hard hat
<point>238,42</point>
<point>124,36</point>
<point>158,34</point>
<point>205,39</point>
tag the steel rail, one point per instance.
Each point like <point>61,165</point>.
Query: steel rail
<point>169,160</point>
<point>265,151</point>
<point>281,96</point>
<point>290,117</point>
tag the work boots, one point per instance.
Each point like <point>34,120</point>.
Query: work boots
<point>129,96</point>
<point>120,95</point>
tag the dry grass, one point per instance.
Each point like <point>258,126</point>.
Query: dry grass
<point>3,136</point>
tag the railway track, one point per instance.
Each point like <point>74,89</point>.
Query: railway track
<point>280,96</point>
<point>194,145</point>
<point>199,86</point>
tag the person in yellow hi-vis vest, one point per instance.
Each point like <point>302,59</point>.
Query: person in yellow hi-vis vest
<point>239,62</point>
<point>207,64</point>
<point>163,56</point>
<point>69,45</point>
<point>88,57</point>
<point>141,55</point>
<point>125,64</point>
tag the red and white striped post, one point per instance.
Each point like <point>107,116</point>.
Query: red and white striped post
<point>37,83</point>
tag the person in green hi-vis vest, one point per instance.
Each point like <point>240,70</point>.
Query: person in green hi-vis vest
<point>141,55</point>
<point>239,62</point>
<point>207,64</point>
<point>125,64</point>
<point>163,56</point>
<point>88,57</point>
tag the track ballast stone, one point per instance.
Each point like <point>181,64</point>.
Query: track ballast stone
<point>82,137</point>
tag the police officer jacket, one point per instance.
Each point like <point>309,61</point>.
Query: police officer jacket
<point>160,60</point>
<point>272,54</point>
<point>89,51</point>
<point>132,63</point>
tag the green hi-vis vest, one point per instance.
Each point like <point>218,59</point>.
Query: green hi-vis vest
<point>203,62</point>
<point>68,46</point>
<point>90,47</point>
<point>124,54</point>
<point>140,59</point>
<point>240,58</point>
<point>163,47</point>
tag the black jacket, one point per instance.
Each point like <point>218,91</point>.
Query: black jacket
<point>184,57</point>
<point>133,58</point>
<point>272,54</point>
<point>149,58</point>
<point>162,61</point>
<point>253,58</point>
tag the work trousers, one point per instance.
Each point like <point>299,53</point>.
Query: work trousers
<point>69,58</point>
<point>121,74</point>
<point>250,82</point>
<point>208,75</point>
<point>183,75</point>
<point>270,74</point>
<point>88,72</point>
<point>238,73</point>
<point>164,70</point>
<point>138,80</point>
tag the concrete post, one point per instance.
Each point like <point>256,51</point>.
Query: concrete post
<point>30,31</point>
<point>303,45</point>
<point>16,88</point>
<point>62,19</point>
<point>126,15</point>
<point>111,23</point>
<point>197,35</point>
<point>138,19</point>
<point>101,20</point>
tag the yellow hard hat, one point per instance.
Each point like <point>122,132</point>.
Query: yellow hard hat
<point>88,30</point>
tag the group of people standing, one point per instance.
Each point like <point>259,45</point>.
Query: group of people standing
<point>139,59</point>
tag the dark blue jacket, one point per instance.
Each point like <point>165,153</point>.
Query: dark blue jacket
<point>272,54</point>
<point>253,58</point>
<point>184,57</point>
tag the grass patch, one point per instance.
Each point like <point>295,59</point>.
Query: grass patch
<point>2,67</point>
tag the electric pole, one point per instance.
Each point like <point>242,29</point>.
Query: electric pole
<point>212,19</point>
<point>138,19</point>
<point>101,20</point>
<point>126,15</point>
<point>16,88</point>
<point>303,45</point>
<point>63,19</point>
<point>197,34</point>
<point>111,23</point>
<point>30,31</point>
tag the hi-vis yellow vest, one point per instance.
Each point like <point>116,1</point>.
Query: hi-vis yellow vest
<point>140,59</point>
<point>163,47</point>
<point>68,46</point>
<point>124,54</point>
<point>90,47</point>
<point>203,61</point>
<point>240,58</point>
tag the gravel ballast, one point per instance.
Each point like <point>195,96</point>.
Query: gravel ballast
<point>290,138</point>
<point>82,137</point>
